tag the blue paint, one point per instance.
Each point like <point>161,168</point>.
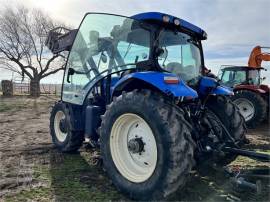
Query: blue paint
<point>156,79</point>
<point>207,83</point>
<point>222,90</point>
<point>158,17</point>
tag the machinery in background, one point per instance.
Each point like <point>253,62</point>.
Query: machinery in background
<point>251,96</point>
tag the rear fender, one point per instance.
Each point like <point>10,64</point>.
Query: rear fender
<point>156,80</point>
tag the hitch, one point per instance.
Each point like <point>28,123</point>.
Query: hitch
<point>237,180</point>
<point>240,183</point>
<point>248,153</point>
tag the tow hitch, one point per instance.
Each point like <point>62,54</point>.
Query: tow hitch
<point>237,179</point>
<point>240,183</point>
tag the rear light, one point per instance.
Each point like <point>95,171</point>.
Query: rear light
<point>171,79</point>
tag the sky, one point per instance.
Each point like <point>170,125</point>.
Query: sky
<point>234,27</point>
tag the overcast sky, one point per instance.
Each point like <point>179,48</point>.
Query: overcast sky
<point>234,27</point>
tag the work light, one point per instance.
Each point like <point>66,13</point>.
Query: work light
<point>176,21</point>
<point>166,18</point>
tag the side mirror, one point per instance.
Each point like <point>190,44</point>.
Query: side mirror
<point>263,78</point>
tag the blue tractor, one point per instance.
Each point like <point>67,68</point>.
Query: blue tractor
<point>137,88</point>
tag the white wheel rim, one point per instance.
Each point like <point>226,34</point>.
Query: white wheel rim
<point>246,108</point>
<point>61,136</point>
<point>136,167</point>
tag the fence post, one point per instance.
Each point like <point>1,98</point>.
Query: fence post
<point>7,88</point>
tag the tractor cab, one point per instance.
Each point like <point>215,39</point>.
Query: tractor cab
<point>107,47</point>
<point>232,76</point>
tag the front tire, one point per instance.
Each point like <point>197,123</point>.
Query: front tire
<point>63,137</point>
<point>226,112</point>
<point>252,106</point>
<point>165,137</point>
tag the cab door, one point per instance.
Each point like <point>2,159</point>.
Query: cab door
<point>104,44</point>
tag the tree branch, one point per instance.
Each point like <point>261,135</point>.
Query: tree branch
<point>51,72</point>
<point>22,42</point>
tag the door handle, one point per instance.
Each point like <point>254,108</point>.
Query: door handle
<point>71,71</point>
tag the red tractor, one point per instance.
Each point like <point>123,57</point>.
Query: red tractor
<point>251,96</point>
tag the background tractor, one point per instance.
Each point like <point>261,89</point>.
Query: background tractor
<point>136,87</point>
<point>251,96</point>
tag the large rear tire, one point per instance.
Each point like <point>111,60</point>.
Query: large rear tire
<point>252,106</point>
<point>63,137</point>
<point>162,162</point>
<point>226,112</point>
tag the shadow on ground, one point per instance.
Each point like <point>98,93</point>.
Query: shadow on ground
<point>74,178</point>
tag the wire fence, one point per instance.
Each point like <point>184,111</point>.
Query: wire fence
<point>48,89</point>
<point>23,88</point>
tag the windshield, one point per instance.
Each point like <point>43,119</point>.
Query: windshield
<point>254,77</point>
<point>240,77</point>
<point>233,77</point>
<point>181,54</point>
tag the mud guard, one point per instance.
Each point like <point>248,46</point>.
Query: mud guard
<point>210,84</point>
<point>156,79</point>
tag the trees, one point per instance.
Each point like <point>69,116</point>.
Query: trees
<point>23,34</point>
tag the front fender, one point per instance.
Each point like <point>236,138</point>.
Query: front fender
<point>222,90</point>
<point>156,79</point>
<point>207,83</point>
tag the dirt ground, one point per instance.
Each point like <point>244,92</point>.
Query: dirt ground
<point>31,169</point>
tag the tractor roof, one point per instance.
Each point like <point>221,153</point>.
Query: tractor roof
<point>156,16</point>
<point>239,68</point>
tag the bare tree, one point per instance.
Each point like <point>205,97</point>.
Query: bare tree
<point>23,34</point>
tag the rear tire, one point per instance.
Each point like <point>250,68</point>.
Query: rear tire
<point>173,143</point>
<point>228,114</point>
<point>63,137</point>
<point>252,106</point>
